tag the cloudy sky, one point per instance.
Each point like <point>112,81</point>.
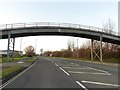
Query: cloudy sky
<point>86,13</point>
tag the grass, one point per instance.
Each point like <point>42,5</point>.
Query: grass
<point>112,60</point>
<point>4,59</point>
<point>32,60</point>
<point>9,70</point>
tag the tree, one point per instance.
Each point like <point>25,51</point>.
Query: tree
<point>29,51</point>
<point>110,50</point>
<point>71,45</point>
<point>109,26</point>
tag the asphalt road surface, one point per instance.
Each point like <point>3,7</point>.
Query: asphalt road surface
<point>60,73</point>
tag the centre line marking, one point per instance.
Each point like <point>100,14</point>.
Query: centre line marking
<point>89,73</point>
<point>99,83</point>
<point>81,85</point>
<point>56,64</point>
<point>64,71</point>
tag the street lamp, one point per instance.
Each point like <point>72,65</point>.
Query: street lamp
<point>77,48</point>
<point>35,45</point>
<point>20,47</point>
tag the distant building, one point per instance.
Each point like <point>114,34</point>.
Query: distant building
<point>3,52</point>
<point>16,53</point>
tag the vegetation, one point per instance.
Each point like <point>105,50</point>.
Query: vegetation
<point>111,52</point>
<point>29,51</point>
<point>4,59</point>
<point>7,71</point>
<point>84,53</point>
<point>32,60</point>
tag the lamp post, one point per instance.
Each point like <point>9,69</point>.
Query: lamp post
<point>35,45</point>
<point>20,47</point>
<point>77,48</point>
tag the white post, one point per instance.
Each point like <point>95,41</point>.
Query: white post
<point>101,57</point>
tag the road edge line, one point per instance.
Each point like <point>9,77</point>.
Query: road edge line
<point>56,64</point>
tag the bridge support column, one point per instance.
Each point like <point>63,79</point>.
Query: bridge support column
<point>8,48</point>
<point>98,51</point>
<point>13,48</point>
<point>9,52</point>
<point>91,49</point>
<point>101,56</point>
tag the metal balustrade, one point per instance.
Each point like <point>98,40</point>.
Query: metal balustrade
<point>54,24</point>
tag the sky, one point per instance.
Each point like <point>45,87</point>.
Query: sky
<point>93,13</point>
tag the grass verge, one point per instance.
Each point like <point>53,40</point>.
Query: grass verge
<point>32,60</point>
<point>7,71</point>
<point>4,59</point>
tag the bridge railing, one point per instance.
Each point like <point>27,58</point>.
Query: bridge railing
<point>50,24</point>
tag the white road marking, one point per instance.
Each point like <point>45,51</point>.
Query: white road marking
<point>81,85</point>
<point>69,65</point>
<point>89,73</point>
<point>74,68</point>
<point>20,62</point>
<point>11,80</point>
<point>56,64</point>
<point>96,69</point>
<point>64,71</point>
<point>99,83</point>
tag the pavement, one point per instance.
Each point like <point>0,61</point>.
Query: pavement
<point>60,73</point>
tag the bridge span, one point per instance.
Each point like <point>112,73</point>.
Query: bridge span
<point>11,31</point>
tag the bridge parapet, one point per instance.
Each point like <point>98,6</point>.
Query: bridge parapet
<point>54,24</point>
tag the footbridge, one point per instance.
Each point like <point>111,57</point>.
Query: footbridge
<point>11,31</point>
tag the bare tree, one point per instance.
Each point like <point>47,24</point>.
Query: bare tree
<point>29,51</point>
<point>109,27</point>
<point>71,45</point>
<point>108,48</point>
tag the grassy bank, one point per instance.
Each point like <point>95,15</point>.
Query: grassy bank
<point>9,70</point>
<point>32,60</point>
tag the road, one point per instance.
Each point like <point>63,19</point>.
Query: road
<point>60,73</point>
